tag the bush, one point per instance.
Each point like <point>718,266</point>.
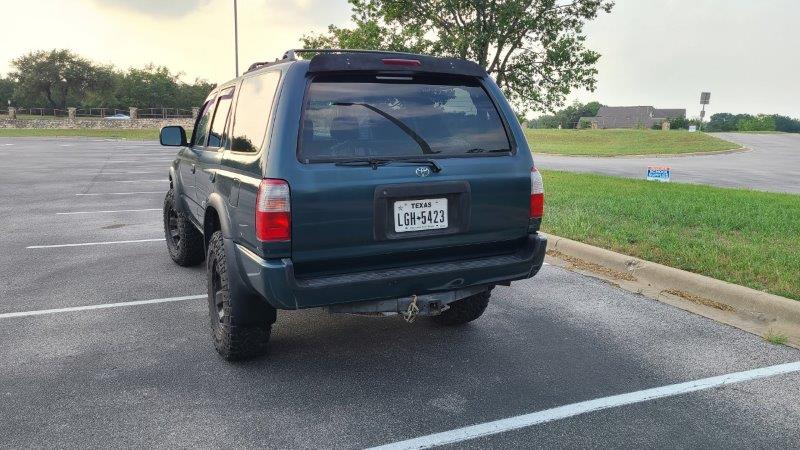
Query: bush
<point>761,122</point>
<point>678,123</point>
<point>585,124</point>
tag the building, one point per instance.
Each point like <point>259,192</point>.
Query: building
<point>632,116</point>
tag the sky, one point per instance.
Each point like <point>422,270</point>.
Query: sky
<point>654,52</point>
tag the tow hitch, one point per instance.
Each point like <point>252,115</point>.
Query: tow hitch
<point>408,307</point>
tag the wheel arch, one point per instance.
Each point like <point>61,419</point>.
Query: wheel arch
<point>216,218</point>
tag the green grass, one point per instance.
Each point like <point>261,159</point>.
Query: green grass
<point>622,142</point>
<point>776,338</point>
<point>143,134</point>
<point>744,237</point>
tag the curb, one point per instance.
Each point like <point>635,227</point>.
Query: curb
<point>745,308</point>
<point>651,155</point>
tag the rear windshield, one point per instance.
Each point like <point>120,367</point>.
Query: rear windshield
<point>378,118</point>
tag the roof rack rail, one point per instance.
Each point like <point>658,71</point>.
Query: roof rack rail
<point>291,55</point>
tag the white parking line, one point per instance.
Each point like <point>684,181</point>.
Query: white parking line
<point>125,193</point>
<point>160,180</point>
<point>563,412</point>
<point>127,161</point>
<point>41,312</point>
<point>85,244</point>
<point>120,173</point>
<point>108,211</point>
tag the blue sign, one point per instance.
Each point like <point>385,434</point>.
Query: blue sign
<point>658,173</point>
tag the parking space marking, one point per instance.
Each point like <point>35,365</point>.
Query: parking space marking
<point>123,193</point>
<point>120,173</point>
<point>575,409</point>
<point>86,244</point>
<point>40,312</point>
<point>107,211</point>
<point>160,180</point>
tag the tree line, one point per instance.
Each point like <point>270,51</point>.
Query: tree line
<point>749,122</point>
<point>60,78</point>
<point>568,117</point>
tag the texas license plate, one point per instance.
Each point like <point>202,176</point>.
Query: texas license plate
<point>418,215</point>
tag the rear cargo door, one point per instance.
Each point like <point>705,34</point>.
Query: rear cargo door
<point>399,171</point>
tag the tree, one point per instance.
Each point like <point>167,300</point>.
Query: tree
<point>534,49</point>
<point>7,87</point>
<point>568,117</point>
<point>722,122</point>
<point>55,75</point>
<point>787,124</point>
<point>761,122</point>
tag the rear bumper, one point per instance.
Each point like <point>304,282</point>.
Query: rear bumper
<point>274,279</point>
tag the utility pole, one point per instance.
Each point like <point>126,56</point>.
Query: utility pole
<point>236,37</point>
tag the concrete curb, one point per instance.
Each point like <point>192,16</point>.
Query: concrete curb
<point>651,155</point>
<point>751,310</point>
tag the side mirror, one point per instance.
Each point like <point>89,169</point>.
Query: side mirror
<point>173,136</point>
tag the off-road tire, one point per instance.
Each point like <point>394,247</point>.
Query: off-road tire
<point>184,241</point>
<point>464,310</point>
<point>233,341</point>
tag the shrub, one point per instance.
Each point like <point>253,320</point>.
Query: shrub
<point>761,122</point>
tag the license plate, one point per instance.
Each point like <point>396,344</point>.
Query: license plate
<point>418,215</point>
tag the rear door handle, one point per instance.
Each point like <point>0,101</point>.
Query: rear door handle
<point>193,168</point>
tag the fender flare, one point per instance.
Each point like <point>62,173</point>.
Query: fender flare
<point>221,207</point>
<point>177,188</point>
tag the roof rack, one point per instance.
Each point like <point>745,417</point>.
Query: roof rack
<point>291,55</point>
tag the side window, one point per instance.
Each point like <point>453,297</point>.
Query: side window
<point>201,129</point>
<point>253,110</point>
<point>216,138</point>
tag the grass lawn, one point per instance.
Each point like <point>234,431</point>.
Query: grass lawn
<point>745,237</point>
<point>622,142</point>
<point>144,134</point>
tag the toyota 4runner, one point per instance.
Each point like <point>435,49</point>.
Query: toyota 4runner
<point>365,182</point>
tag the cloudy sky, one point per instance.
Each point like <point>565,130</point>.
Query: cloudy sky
<point>655,52</point>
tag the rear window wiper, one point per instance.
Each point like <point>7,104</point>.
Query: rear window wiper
<point>483,150</point>
<point>371,162</point>
<point>375,162</point>
<point>423,144</point>
<point>435,167</point>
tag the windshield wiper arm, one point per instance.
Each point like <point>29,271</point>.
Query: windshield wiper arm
<point>371,162</point>
<point>435,167</point>
<point>426,148</point>
<point>375,162</point>
<point>483,150</point>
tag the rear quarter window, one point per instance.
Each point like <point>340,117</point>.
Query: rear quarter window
<point>378,118</point>
<point>253,110</point>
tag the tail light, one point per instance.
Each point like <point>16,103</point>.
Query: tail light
<point>537,194</point>
<point>273,214</point>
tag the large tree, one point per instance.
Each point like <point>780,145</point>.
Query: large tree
<point>534,49</point>
<point>56,75</point>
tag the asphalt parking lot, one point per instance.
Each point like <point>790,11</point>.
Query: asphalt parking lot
<point>769,164</point>
<point>146,374</point>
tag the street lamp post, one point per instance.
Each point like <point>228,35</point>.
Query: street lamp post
<point>236,37</point>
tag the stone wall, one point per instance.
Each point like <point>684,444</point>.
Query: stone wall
<point>63,123</point>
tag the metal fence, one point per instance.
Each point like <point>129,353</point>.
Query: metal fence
<point>100,113</point>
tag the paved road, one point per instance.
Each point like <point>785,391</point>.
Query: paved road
<point>147,375</point>
<point>772,164</point>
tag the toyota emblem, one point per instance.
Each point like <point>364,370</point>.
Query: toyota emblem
<point>423,171</point>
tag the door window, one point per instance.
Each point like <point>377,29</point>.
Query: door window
<point>204,120</point>
<point>217,136</point>
<point>253,110</point>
